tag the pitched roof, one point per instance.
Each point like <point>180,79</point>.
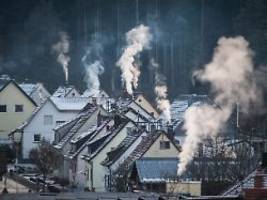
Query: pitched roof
<point>29,88</point>
<point>69,103</point>
<point>141,148</point>
<point>82,142</point>
<point>156,169</point>
<point>183,102</point>
<point>5,83</point>
<point>63,91</point>
<point>98,146</point>
<point>79,122</point>
<point>115,154</point>
<point>89,93</point>
<point>146,142</point>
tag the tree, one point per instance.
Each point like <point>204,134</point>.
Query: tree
<point>7,155</point>
<point>46,158</point>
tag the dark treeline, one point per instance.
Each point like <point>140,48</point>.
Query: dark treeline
<point>185,34</point>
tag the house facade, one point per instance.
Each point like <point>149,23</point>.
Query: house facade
<point>15,107</point>
<point>54,112</point>
<point>98,148</point>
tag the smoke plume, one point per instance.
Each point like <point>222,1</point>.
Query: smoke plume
<point>138,38</point>
<point>93,64</point>
<point>161,90</point>
<point>61,48</point>
<point>230,75</point>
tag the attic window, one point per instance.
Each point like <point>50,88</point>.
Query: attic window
<point>165,145</point>
<point>73,94</point>
<point>139,100</point>
<point>3,108</point>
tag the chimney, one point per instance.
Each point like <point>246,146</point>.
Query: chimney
<point>170,131</point>
<point>94,100</point>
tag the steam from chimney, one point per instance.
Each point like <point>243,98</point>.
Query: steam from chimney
<point>93,64</point>
<point>230,75</point>
<point>61,48</point>
<point>163,104</point>
<point>138,38</point>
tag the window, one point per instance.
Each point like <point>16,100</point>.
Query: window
<point>48,119</point>
<point>60,122</point>
<point>2,108</point>
<point>164,145</point>
<point>37,138</point>
<point>18,108</point>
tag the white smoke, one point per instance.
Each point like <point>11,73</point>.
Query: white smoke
<point>61,48</point>
<point>161,91</point>
<point>92,62</point>
<point>138,38</point>
<point>230,76</point>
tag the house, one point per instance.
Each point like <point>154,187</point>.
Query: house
<point>66,91</point>
<point>88,93</point>
<point>253,186</point>
<point>16,106</point>
<point>102,98</point>
<point>78,167</point>
<point>53,112</point>
<point>182,103</point>
<point>142,101</point>
<point>133,110</point>
<point>36,91</point>
<point>96,173</point>
<point>156,145</point>
<point>160,175</point>
<point>71,136</point>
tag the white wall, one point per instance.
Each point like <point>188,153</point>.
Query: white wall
<point>36,126</point>
<point>99,171</point>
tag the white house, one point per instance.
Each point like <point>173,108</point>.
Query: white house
<point>98,148</point>
<point>55,111</point>
<point>70,136</point>
<point>36,91</point>
<point>66,91</point>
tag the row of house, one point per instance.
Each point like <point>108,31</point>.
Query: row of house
<point>107,144</point>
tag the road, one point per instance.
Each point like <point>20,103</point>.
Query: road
<point>12,186</point>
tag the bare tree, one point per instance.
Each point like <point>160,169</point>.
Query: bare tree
<point>46,158</point>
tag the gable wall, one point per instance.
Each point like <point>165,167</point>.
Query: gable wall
<point>99,171</point>
<point>155,151</point>
<point>10,120</point>
<point>140,100</point>
<point>75,92</point>
<point>36,126</point>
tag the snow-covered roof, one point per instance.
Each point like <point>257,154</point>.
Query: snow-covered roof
<point>63,91</point>
<point>69,103</point>
<point>183,102</point>
<point>90,93</point>
<point>29,88</point>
